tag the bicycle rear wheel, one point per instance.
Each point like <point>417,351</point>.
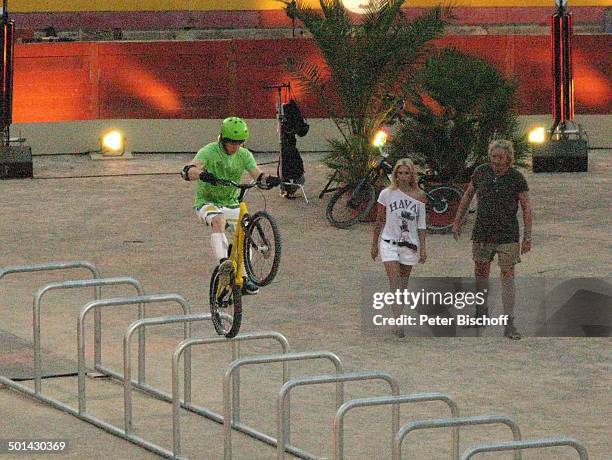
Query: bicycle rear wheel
<point>225,298</point>
<point>443,202</point>
<point>262,248</point>
<point>350,204</point>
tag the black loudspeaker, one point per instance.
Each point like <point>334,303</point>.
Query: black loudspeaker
<point>563,155</point>
<point>16,162</point>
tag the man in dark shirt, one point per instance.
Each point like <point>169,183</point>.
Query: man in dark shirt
<point>500,188</point>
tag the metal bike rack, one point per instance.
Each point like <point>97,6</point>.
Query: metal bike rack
<point>96,282</point>
<point>231,380</point>
<point>228,423</point>
<point>282,417</point>
<point>176,402</point>
<point>52,266</point>
<point>527,444</point>
<point>97,304</point>
<point>338,432</point>
<point>127,366</point>
<point>186,319</point>
<point>454,422</point>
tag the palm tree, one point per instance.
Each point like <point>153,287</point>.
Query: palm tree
<point>460,103</point>
<point>365,60</point>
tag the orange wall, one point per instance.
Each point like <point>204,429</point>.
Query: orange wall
<point>210,79</point>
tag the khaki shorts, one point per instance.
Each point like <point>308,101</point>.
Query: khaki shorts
<point>508,254</point>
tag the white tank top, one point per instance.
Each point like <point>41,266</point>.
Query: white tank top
<point>404,216</point>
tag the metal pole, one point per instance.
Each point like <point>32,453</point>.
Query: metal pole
<point>88,418</point>
<point>235,346</point>
<point>8,42</point>
<point>185,344</point>
<point>46,267</point>
<point>338,431</point>
<point>108,303</point>
<point>282,419</point>
<point>455,422</point>
<point>227,422</point>
<point>96,282</point>
<point>127,365</point>
<point>528,444</point>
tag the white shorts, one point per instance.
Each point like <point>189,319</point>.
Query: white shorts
<point>393,253</point>
<point>208,211</point>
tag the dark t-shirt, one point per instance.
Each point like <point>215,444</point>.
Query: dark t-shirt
<point>497,204</point>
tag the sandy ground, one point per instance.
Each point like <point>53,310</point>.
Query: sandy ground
<point>139,223</point>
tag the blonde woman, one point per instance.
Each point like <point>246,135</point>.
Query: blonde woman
<point>399,231</point>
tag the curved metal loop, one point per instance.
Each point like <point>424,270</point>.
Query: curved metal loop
<point>528,444</point>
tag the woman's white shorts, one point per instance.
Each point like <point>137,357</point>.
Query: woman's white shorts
<point>393,253</point>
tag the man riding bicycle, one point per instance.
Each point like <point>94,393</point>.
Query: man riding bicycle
<point>217,205</point>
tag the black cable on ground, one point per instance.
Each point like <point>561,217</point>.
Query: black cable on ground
<point>53,376</point>
<point>110,175</point>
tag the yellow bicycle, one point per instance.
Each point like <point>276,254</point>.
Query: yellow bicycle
<point>255,251</point>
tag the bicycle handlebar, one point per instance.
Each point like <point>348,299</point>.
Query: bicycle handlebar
<point>231,183</point>
<point>243,187</point>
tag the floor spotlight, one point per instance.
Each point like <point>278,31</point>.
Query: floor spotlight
<point>112,146</point>
<point>112,142</point>
<point>537,135</point>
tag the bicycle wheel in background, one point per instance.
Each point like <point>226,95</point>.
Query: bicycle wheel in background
<point>225,298</point>
<point>443,202</point>
<point>262,248</point>
<point>350,204</point>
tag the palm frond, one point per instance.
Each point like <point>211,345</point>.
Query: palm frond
<point>310,79</point>
<point>476,104</point>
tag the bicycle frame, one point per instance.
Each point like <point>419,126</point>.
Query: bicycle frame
<point>379,142</point>
<point>237,252</point>
<point>370,178</point>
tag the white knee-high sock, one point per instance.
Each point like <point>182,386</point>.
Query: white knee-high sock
<point>218,241</point>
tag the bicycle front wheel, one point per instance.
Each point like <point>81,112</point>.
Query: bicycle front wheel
<point>350,204</point>
<point>442,207</point>
<point>262,248</point>
<point>225,299</point>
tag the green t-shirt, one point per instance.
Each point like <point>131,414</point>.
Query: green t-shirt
<point>223,166</point>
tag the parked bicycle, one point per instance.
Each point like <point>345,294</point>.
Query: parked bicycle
<point>442,203</point>
<point>256,250</point>
<point>351,204</point>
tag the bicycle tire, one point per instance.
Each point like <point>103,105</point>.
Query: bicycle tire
<point>219,305</point>
<point>261,236</point>
<point>364,197</point>
<point>443,202</point>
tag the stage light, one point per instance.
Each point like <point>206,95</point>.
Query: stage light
<point>537,135</point>
<point>112,142</point>
<point>380,138</point>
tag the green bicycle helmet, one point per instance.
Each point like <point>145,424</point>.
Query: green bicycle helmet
<point>234,129</point>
